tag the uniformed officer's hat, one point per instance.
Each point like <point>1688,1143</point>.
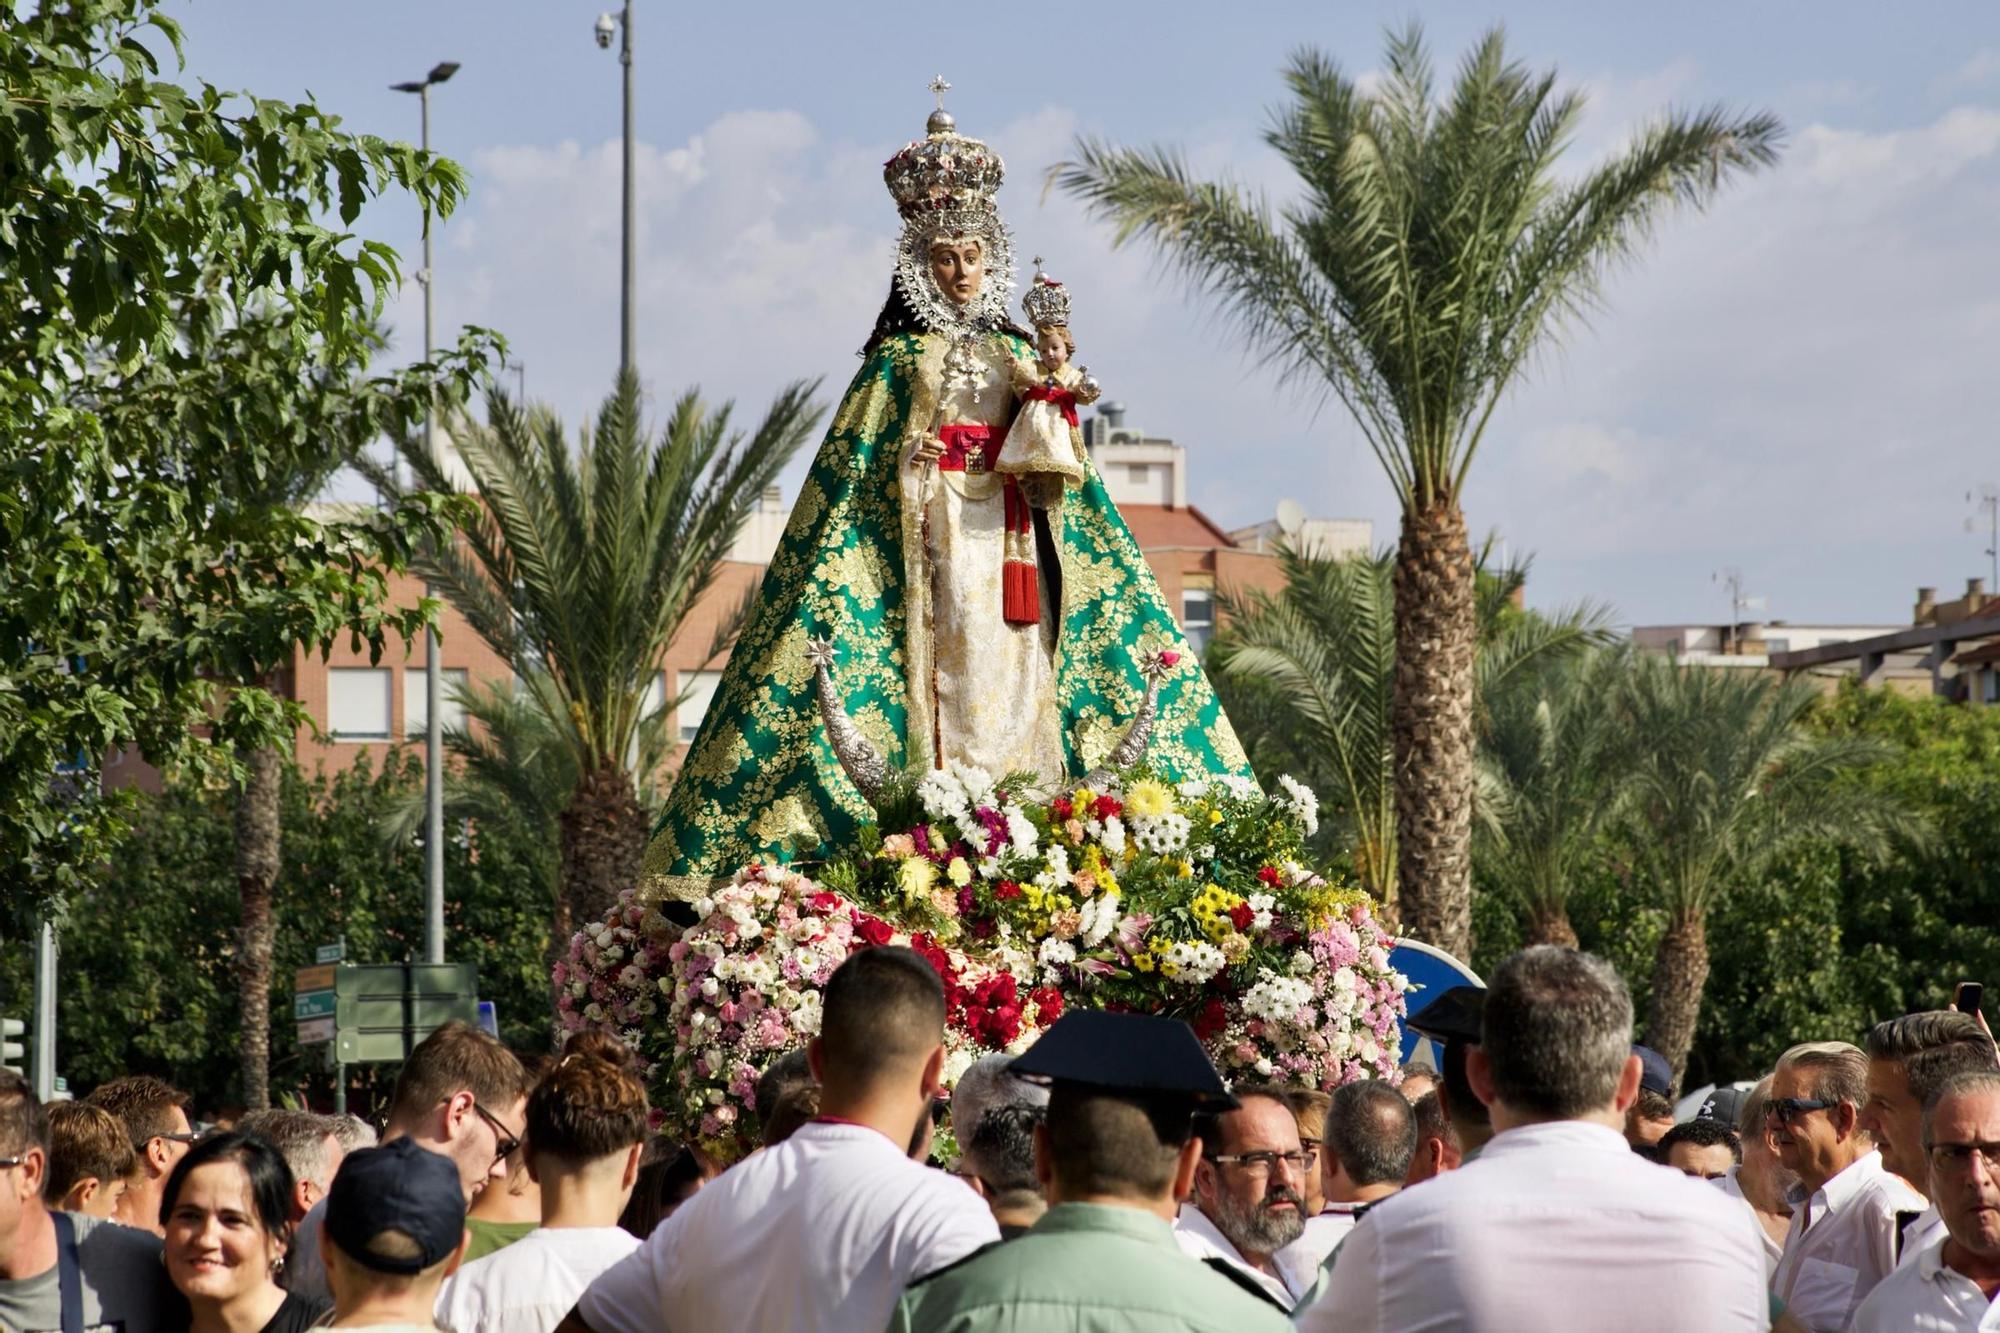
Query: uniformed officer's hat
<point>1452,1016</point>
<point>1130,1055</point>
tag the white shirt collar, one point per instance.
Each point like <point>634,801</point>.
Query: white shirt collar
<point>1842,1187</point>
<point>1572,1134</point>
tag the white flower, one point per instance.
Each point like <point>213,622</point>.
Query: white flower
<point>1021,831</point>
<point>1264,905</point>
<point>1113,836</point>
<point>1055,954</point>
<point>1160,834</point>
<point>1276,999</point>
<point>1100,918</point>
<point>1205,852</point>
<point>1302,963</point>
<point>1194,789</point>
<point>1197,962</point>
<point>1241,788</point>
<point>1299,802</point>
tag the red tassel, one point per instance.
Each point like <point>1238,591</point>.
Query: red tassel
<point>1021,596</point>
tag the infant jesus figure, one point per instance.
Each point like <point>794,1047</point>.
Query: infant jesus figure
<point>1043,450</point>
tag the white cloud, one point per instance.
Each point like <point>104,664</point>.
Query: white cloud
<point>1979,68</point>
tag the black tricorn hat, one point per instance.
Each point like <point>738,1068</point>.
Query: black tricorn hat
<point>1139,1056</point>
<point>1452,1016</point>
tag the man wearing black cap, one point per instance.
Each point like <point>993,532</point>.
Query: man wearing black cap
<point>1115,1155</point>
<point>395,1224</point>
<point>1452,1020</point>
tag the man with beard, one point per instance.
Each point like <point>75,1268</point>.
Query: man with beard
<point>1558,1224</point>
<point>1761,1181</point>
<point>1249,1190</point>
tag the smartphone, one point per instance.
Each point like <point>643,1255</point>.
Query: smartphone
<point>1966,998</point>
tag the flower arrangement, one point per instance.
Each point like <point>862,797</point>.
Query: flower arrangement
<point>1192,900</point>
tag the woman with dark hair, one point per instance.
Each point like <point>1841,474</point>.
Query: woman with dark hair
<point>669,1175</point>
<point>227,1213</point>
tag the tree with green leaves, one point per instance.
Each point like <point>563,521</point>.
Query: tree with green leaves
<point>515,768</point>
<point>1727,774</point>
<point>1435,244</point>
<point>1308,678</point>
<point>1554,761</point>
<point>188,318</point>
<point>581,566</point>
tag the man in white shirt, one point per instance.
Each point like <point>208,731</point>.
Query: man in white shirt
<point>1844,1226</point>
<point>1370,1136</point>
<point>1948,1042</point>
<point>1762,1183</point>
<point>1249,1191</point>
<point>824,1230</point>
<point>1950,1283</point>
<point>587,1122</point>
<point>1557,1224</point>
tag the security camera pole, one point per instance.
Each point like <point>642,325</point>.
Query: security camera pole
<point>605,23</point>
<point>433,667</point>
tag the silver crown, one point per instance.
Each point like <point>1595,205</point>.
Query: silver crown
<point>944,172</point>
<point>1047,301</point>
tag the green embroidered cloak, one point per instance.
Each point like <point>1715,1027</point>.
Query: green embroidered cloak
<point>760,771</point>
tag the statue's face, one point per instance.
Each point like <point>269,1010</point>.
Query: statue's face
<point>958,264</point>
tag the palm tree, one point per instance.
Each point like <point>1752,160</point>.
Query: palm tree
<point>1727,775</point>
<point>1552,758</point>
<point>580,569</point>
<point>1308,678</point>
<point>1433,248</point>
<point>512,765</point>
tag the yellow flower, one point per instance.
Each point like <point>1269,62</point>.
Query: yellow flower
<point>1215,817</point>
<point>1148,798</point>
<point>1142,962</point>
<point>915,878</point>
<point>958,872</point>
<point>1187,870</point>
<point>1082,797</point>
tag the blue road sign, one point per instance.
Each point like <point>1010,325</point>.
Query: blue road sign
<point>1432,972</point>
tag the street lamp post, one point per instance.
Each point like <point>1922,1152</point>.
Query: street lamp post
<point>607,24</point>
<point>433,669</point>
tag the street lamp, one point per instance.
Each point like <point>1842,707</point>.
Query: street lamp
<point>433,668</point>
<point>607,25</point>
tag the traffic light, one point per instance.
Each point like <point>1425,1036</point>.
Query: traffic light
<point>13,1045</point>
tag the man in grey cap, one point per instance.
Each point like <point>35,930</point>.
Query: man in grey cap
<point>1116,1155</point>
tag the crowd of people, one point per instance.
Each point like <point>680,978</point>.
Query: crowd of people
<point>1104,1179</point>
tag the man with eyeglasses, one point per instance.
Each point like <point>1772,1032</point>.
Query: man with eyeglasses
<point>1908,1057</point>
<point>154,1113</point>
<point>1950,1283</point>
<point>68,1270</point>
<point>461,1094</point>
<point>1844,1224</point>
<point>1558,1224</point>
<point>1249,1190</point>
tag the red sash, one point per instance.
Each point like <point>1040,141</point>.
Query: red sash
<point>1054,393</point>
<point>973,448</point>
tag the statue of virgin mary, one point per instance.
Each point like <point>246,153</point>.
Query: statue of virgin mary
<point>974,617</point>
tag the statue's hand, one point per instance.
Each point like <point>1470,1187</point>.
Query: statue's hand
<point>927,452</point>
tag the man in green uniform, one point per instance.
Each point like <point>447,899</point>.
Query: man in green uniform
<point>1116,1155</point>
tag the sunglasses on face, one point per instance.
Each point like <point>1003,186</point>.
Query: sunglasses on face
<point>505,1140</point>
<point>1785,1110</point>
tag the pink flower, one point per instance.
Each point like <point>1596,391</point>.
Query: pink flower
<point>1170,658</point>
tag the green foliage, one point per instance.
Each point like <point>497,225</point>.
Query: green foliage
<point>1437,243</point>
<point>188,325</point>
<point>147,967</point>
<point>1307,676</point>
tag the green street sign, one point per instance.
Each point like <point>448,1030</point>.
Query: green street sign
<point>330,953</point>
<point>383,1010</point>
<point>313,1004</point>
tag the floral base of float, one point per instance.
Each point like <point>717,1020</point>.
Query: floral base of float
<point>1191,900</point>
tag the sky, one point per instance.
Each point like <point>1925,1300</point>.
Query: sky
<point>1797,384</point>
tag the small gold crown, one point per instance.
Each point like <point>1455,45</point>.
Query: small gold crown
<point>943,172</point>
<point>1046,302</point>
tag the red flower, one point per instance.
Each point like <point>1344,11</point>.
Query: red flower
<point>824,902</point>
<point>873,929</point>
<point>1106,806</point>
<point>1170,658</point>
<point>1213,1017</point>
<point>1048,1004</point>
<point>1241,916</point>
<point>992,1011</point>
<point>1006,889</point>
<point>1061,808</point>
<point>1271,877</point>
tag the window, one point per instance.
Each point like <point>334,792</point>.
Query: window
<point>1141,472</point>
<point>357,703</point>
<point>1198,617</point>
<point>700,686</point>
<point>656,695</point>
<point>417,704</point>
